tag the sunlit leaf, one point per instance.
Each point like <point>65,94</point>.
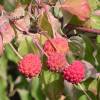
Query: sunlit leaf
<point>80,8</point>
<point>45,24</point>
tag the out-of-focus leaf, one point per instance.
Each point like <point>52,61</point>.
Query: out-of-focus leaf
<point>98,39</point>
<point>1,1</point>
<point>90,92</point>
<point>3,66</point>
<point>9,5</point>
<point>3,86</point>
<point>93,4</point>
<point>87,82</point>
<point>45,24</point>
<point>53,83</point>
<point>36,91</point>
<point>10,54</point>
<point>3,78</point>
<point>98,88</point>
<point>95,22</point>
<point>98,56</point>
<point>25,1</point>
<point>97,13</point>
<point>93,86</point>
<point>24,94</point>
<point>82,96</point>
<point>22,83</point>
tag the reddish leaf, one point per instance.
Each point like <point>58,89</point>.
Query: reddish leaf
<point>6,30</point>
<point>18,12</point>
<point>23,21</point>
<point>23,24</point>
<point>1,45</point>
<point>80,8</point>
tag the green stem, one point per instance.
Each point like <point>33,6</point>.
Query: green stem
<point>38,45</point>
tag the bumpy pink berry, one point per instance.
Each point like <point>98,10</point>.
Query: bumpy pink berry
<point>30,65</point>
<point>75,72</point>
<point>56,62</point>
<point>58,44</point>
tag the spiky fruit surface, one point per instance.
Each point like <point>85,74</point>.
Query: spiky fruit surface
<point>58,44</point>
<point>30,65</point>
<point>56,62</point>
<point>75,72</point>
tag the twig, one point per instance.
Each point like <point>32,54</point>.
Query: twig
<point>15,51</point>
<point>84,91</point>
<point>37,44</point>
<point>84,29</point>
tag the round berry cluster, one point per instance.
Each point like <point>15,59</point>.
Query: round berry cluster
<point>56,50</point>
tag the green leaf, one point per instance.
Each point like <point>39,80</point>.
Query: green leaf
<point>95,22</point>
<point>11,54</point>
<point>3,86</point>
<point>77,46</point>
<point>3,66</point>
<point>98,56</point>
<point>25,1</point>
<point>82,96</point>
<point>89,49</point>
<point>88,82</point>
<point>36,90</point>
<point>1,1</point>
<point>93,4</point>
<point>45,25</point>
<point>9,5</point>
<point>98,88</point>
<point>3,78</point>
<point>53,84</point>
<point>24,94</point>
<point>27,46</point>
<point>98,39</point>
<point>57,12</point>
<point>93,86</point>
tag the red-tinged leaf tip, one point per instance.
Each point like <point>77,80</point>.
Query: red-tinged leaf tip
<point>79,8</point>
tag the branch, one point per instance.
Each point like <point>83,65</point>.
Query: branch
<point>83,29</point>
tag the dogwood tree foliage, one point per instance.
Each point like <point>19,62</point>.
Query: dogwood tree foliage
<point>60,32</point>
